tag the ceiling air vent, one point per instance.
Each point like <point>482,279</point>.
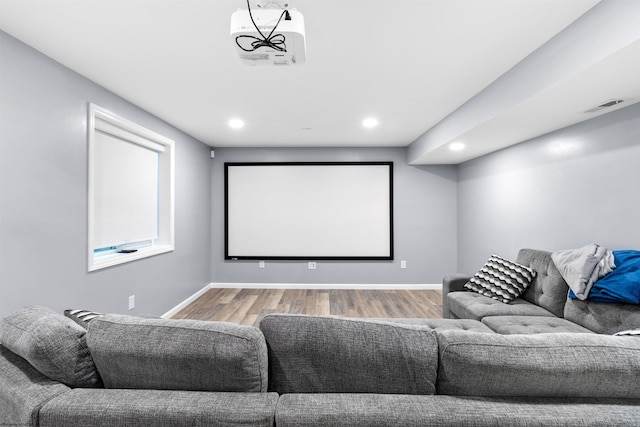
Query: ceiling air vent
<point>607,104</point>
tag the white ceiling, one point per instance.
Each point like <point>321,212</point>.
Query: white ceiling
<point>409,63</point>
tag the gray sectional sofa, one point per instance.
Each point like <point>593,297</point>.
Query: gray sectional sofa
<point>129,371</point>
<point>544,306</point>
<point>300,370</point>
<point>351,372</point>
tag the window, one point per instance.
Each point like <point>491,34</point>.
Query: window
<point>131,191</point>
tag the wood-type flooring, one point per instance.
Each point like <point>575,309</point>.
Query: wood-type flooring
<point>248,306</point>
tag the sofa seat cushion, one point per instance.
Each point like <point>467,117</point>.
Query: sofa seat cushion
<point>93,407</point>
<point>163,354</point>
<point>366,410</point>
<point>444,324</point>
<point>603,317</point>
<point>544,365</point>
<point>318,354</point>
<point>531,325</point>
<point>471,305</point>
<point>53,344</point>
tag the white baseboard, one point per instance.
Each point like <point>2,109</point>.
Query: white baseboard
<point>427,286</point>
<point>358,286</point>
<point>186,302</point>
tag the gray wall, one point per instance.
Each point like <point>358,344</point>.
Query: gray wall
<point>565,189</point>
<point>424,216</point>
<point>568,188</point>
<point>43,196</point>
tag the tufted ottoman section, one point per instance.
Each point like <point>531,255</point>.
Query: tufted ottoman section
<point>471,305</point>
<point>444,324</point>
<point>507,325</point>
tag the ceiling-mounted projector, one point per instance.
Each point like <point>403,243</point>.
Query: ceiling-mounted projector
<point>268,36</point>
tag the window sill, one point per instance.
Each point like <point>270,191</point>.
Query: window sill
<point>104,261</point>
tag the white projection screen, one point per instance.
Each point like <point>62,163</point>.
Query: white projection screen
<point>309,210</point>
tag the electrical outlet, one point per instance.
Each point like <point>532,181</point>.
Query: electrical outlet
<point>312,265</point>
<point>261,264</point>
<point>132,302</point>
<point>403,264</point>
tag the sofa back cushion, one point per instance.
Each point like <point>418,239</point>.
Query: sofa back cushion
<point>542,365</point>
<point>548,289</point>
<point>315,354</point>
<point>52,344</point>
<point>602,317</point>
<point>132,352</point>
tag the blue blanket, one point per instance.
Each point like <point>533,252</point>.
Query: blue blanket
<point>622,285</point>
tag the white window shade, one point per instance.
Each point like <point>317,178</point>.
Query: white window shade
<point>126,200</point>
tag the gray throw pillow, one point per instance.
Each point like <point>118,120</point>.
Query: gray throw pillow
<point>51,343</point>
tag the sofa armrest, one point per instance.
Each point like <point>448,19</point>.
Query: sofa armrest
<point>455,282</point>
<point>452,283</point>
<point>23,390</point>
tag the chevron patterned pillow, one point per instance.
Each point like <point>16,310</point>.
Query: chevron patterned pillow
<point>82,317</point>
<point>501,279</point>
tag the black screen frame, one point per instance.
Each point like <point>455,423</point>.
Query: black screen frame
<point>388,256</point>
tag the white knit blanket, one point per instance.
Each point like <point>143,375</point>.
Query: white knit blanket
<point>582,267</point>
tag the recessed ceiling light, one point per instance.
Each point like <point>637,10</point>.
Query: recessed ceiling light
<point>370,122</point>
<point>236,123</point>
<point>456,146</point>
